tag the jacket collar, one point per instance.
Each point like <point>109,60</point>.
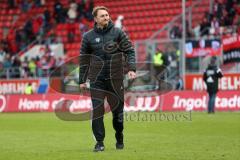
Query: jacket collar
<point>105,29</point>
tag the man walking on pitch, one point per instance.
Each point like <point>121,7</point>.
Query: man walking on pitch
<point>210,77</point>
<point>101,60</point>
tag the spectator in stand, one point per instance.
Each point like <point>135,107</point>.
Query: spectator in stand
<point>37,3</point>
<point>71,32</point>
<point>43,2</point>
<point>37,26</point>
<point>88,9</point>
<point>52,38</point>
<point>25,5</point>
<point>39,70</point>
<point>237,7</point>
<point>18,37</point>
<point>42,63</point>
<point>45,65</point>
<point>119,22</point>
<point>28,31</point>
<point>4,45</point>
<point>51,62</point>
<point>13,48</point>
<point>218,9</point>
<point>47,62</point>
<point>173,58</point>
<point>59,12</point>
<point>209,16</point>
<point>238,25</point>
<point>10,44</point>
<point>229,5</point>
<point>232,11</point>
<point>72,11</point>
<point>24,39</point>
<point>80,9</point>
<point>11,4</point>
<point>227,20</point>
<point>46,20</point>
<point>16,67</point>
<point>189,34</point>
<point>7,64</point>
<point>24,65</point>
<point>179,84</point>
<point>204,27</point>
<point>10,38</point>
<point>48,51</point>
<point>72,15</point>
<point>83,28</point>
<point>215,26</point>
<point>59,62</point>
<point>2,75</point>
<point>176,32</point>
<point>2,54</point>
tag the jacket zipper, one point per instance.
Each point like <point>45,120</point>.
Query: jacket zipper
<point>104,54</point>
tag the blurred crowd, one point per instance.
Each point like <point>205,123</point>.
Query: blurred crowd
<point>14,67</point>
<point>224,15</point>
<point>40,29</point>
<point>37,26</point>
<point>223,19</point>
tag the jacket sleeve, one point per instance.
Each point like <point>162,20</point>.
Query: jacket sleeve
<point>84,60</point>
<point>126,47</point>
<point>219,73</point>
<point>205,76</point>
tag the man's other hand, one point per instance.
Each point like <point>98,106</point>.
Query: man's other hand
<point>83,86</point>
<point>132,75</point>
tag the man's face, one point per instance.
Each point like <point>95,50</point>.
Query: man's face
<point>102,18</point>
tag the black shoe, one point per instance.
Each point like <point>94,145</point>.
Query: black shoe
<point>119,138</point>
<point>211,112</point>
<point>99,147</point>
<point>119,145</point>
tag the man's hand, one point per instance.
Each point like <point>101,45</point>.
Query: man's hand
<point>83,86</point>
<point>132,75</point>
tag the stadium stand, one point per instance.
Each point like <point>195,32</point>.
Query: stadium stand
<point>138,14</point>
<point>141,20</point>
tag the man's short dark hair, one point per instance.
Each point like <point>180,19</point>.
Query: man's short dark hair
<point>97,8</point>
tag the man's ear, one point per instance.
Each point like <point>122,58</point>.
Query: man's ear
<point>95,19</point>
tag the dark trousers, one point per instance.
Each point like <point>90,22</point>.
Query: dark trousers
<point>211,102</point>
<point>114,92</point>
<point>159,76</point>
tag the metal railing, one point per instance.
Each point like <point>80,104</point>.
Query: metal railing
<point>169,25</point>
<point>20,72</point>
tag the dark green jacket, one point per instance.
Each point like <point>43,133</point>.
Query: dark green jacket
<point>103,53</point>
<point>211,76</point>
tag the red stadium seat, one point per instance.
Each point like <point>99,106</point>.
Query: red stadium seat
<point>141,18</point>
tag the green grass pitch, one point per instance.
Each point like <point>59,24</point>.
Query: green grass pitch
<point>42,136</point>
